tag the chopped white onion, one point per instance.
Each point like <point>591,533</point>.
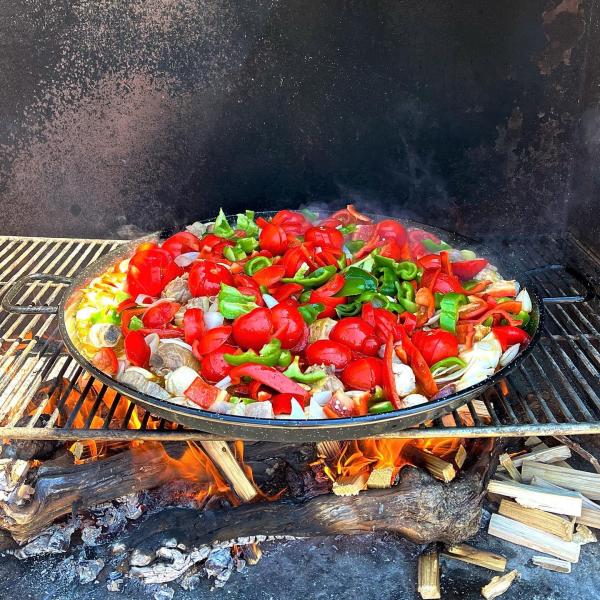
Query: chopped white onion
<point>449,375</point>
<point>144,372</point>
<point>213,319</point>
<point>269,300</point>
<point>224,383</point>
<point>297,411</point>
<point>179,380</point>
<point>121,369</point>
<point>177,342</point>
<point>434,319</point>
<point>321,398</point>
<point>153,341</point>
<point>509,355</point>
<point>186,259</point>
<point>525,299</point>
<point>315,410</point>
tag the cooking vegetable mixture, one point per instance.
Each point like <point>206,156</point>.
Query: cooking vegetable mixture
<point>300,317</point>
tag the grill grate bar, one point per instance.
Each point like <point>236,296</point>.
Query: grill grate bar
<point>554,391</point>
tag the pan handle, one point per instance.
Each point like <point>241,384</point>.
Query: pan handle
<point>8,302</point>
<point>585,280</point>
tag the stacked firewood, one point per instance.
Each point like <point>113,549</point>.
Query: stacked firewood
<point>543,504</point>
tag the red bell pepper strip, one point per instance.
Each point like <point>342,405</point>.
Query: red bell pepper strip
<point>270,377</point>
<point>492,312</point>
<point>175,332</point>
<point>408,321</point>
<point>285,291</point>
<point>465,332</point>
<point>282,403</point>
<point>269,275</point>
<point>202,393</point>
<point>419,365</point>
<point>193,325</point>
<point>426,300</point>
<point>136,349</point>
<point>389,383</point>
<point>511,306</point>
<point>445,263</point>
<point>467,269</point>
<point>429,278</point>
<point>508,335</point>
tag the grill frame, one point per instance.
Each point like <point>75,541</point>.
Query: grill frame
<point>26,362</point>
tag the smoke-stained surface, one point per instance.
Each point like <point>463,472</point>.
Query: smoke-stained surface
<point>117,118</point>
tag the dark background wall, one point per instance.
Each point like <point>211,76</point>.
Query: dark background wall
<point>122,117</point>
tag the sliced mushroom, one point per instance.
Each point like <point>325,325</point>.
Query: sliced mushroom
<point>404,378</point>
<point>169,357</point>
<point>138,382</point>
<point>103,335</point>
<point>177,289</point>
<point>320,329</point>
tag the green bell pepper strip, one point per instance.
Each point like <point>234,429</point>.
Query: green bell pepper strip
<point>256,264</point>
<point>448,362</point>
<point>315,279</point>
<point>467,285</point>
<point>269,355</point>
<point>222,228</point>
<point>431,246</point>
<point>310,312</point>
<point>366,264</point>
<point>238,399</point>
<point>354,245</point>
<point>381,407</point>
<point>524,317</point>
<point>294,372</point>
<point>488,322</point>
<point>450,304</point>
<point>109,315</point>
<point>348,229</point>
<point>285,358</point>
<point>350,309</point>
<point>438,299</point>
<point>406,291</point>
<point>356,282</point>
<point>310,214</point>
<point>305,296</point>
<point>388,282</point>
<point>135,324</point>
<point>405,304</point>
<point>407,270</point>
<point>233,253</point>
<point>246,223</point>
<point>341,262</point>
<point>234,304</point>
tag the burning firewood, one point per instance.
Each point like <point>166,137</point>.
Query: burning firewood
<point>381,478</point>
<point>439,468</point>
<point>329,450</point>
<point>498,585</point>
<point>474,556</point>
<point>429,575</point>
<point>350,485</point>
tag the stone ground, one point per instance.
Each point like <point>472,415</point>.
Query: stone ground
<point>365,567</point>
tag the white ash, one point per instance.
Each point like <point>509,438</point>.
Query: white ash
<point>219,565</point>
<point>115,581</point>
<point>55,540</point>
<point>162,592</point>
<point>88,570</point>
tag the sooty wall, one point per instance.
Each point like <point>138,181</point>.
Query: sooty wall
<point>123,117</point>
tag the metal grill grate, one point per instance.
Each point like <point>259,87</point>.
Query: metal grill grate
<point>45,394</point>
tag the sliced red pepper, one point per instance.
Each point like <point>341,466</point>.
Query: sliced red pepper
<point>285,291</point>
<point>161,313</point>
<point>419,365</point>
<point>212,339</point>
<point>193,325</point>
<point>408,321</point>
<point>508,335</point>
<point>202,393</point>
<point>492,312</point>
<point>173,332</point>
<point>467,269</point>
<point>387,376</point>
<point>282,403</point>
<point>136,349</point>
<point>429,278</point>
<point>270,377</point>
<point>269,275</point>
<point>430,261</point>
<point>426,300</point>
<point>512,306</point>
<point>445,263</point>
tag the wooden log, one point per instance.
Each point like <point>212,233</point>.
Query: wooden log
<point>523,535</point>
<point>460,457</point>
<point>429,575</point>
<point>439,468</point>
<point>544,521</point>
<point>507,463</point>
<point>498,585</point>
<point>381,478</point>
<point>419,508</point>
<point>329,450</point>
<point>220,453</point>
<point>474,556</point>
<point>350,485</point>
<point>544,455</point>
<point>552,564</point>
<point>572,479</point>
<point>562,503</point>
<point>590,511</point>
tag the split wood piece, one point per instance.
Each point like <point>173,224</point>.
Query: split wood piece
<point>329,450</point>
<point>578,449</point>
<point>543,446</point>
<point>460,457</point>
<point>552,564</point>
<point>62,489</point>
<point>562,503</point>
<point>544,521</point>
<point>222,456</point>
<point>419,508</point>
<point>533,441</point>
<point>572,479</point>
<point>350,485</point>
<point>439,468</point>
<point>590,511</point>
<point>543,455</point>
<point>524,535</point>
<point>510,467</point>
<point>381,478</point>
<point>584,535</point>
<point>498,585</point>
<point>474,556</point>
<point>429,575</point>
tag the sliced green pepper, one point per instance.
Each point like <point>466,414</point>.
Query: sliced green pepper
<point>381,407</point>
<point>407,270</point>
<point>234,304</point>
<point>450,304</point>
<point>109,315</point>
<point>269,355</point>
<point>246,223</point>
<point>256,264</point>
<point>354,245</point>
<point>388,282</point>
<point>448,362</point>
<point>438,299</point>
<point>310,312</point>
<point>315,279</point>
<point>222,228</point>
<point>356,282</point>
<point>135,324</point>
<point>488,322</point>
<point>233,253</point>
<point>305,296</point>
<point>431,246</point>
<point>366,264</point>
<point>405,290</point>
<point>348,229</point>
<point>238,399</point>
<point>285,358</point>
<point>121,297</point>
<point>467,285</point>
<point>524,317</point>
<point>349,309</point>
<point>294,372</point>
